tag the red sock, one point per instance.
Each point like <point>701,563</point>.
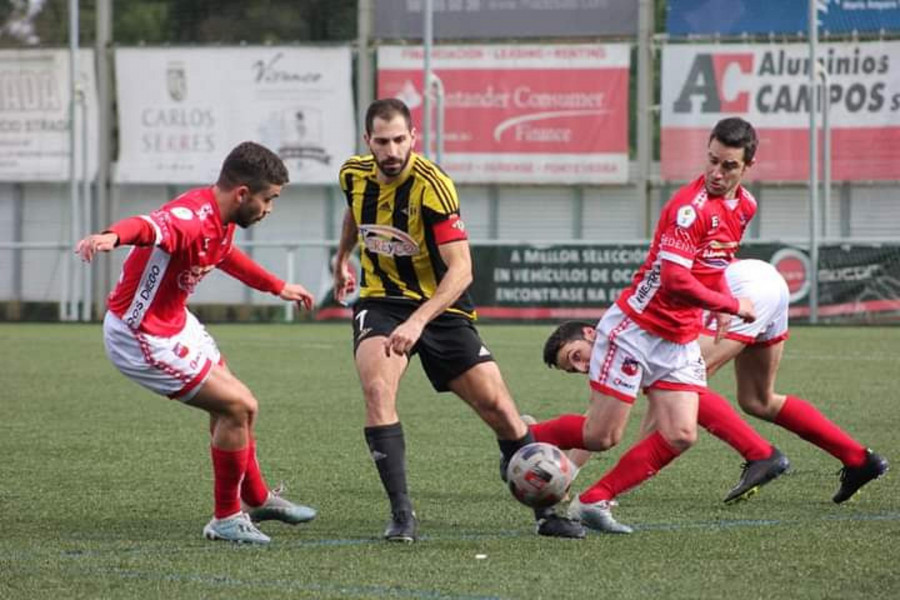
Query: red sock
<point>801,417</point>
<point>717,416</point>
<point>566,431</point>
<point>229,467</point>
<point>254,490</point>
<point>640,463</point>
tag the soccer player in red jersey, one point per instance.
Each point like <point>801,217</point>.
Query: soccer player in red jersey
<point>756,349</point>
<point>648,339</point>
<point>154,340</point>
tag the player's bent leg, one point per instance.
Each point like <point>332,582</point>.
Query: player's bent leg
<point>718,354</point>
<point>231,404</point>
<point>605,421</point>
<point>755,371</point>
<point>379,376</point>
<point>861,465</point>
<point>482,387</point>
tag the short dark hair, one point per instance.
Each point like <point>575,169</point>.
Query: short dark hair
<point>253,165</point>
<point>568,331</point>
<point>735,132</point>
<point>387,109</point>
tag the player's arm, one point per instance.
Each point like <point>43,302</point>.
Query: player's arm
<point>344,278</point>
<point>678,281</point>
<point>133,231</point>
<point>243,268</point>
<point>458,259</point>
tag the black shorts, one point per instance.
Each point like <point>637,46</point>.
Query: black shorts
<point>449,346</point>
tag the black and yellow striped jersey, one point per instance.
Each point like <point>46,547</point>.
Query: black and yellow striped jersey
<point>398,245</point>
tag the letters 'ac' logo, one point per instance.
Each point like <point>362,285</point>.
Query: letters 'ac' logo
<point>707,79</point>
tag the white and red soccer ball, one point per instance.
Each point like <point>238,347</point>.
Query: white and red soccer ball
<point>539,475</point>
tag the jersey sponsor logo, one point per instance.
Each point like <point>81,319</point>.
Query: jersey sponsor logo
<point>387,240</point>
<point>189,278</point>
<point>151,279</point>
<point>686,216</point>
<point>646,289</point>
<point>182,212</point>
<point>670,242</point>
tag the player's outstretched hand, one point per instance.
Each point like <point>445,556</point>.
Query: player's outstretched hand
<point>94,243</point>
<point>294,292</point>
<point>344,281</point>
<point>746,310</point>
<point>403,338</point>
<point>723,321</point>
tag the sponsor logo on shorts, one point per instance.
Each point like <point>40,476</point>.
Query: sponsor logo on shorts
<point>618,381</point>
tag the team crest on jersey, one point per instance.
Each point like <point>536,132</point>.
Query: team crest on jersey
<point>686,216</point>
<point>387,240</point>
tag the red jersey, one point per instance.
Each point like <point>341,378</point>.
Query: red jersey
<point>152,292</point>
<point>700,233</point>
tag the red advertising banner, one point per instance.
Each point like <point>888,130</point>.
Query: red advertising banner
<point>767,84</point>
<point>522,114</point>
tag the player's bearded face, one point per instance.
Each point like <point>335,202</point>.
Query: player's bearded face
<point>391,143</point>
<point>725,167</point>
<point>256,207</point>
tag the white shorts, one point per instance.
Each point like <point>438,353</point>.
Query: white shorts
<point>764,285</point>
<point>626,359</point>
<point>173,366</point>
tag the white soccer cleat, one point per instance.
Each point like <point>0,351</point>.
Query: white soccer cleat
<point>276,508</point>
<point>238,529</point>
<point>597,516</point>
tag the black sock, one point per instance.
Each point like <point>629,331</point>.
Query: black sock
<point>388,450</point>
<point>509,447</point>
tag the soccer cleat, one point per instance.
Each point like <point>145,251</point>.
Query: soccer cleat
<point>276,508</point>
<point>403,527</point>
<point>757,473</point>
<point>553,525</point>
<point>238,529</point>
<point>853,478</point>
<point>597,516</point>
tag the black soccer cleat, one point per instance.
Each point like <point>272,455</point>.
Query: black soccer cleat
<point>549,524</point>
<point>403,527</point>
<point>853,478</point>
<point>757,473</point>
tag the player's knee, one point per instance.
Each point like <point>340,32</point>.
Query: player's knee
<point>756,406</point>
<point>680,438</point>
<point>243,408</point>
<point>599,439</point>
<point>376,392</point>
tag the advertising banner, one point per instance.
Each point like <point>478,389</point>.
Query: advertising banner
<point>34,115</point>
<point>481,19</point>
<point>523,113</point>
<point>858,283</point>
<point>767,85</point>
<point>181,110</point>
<point>734,17</point>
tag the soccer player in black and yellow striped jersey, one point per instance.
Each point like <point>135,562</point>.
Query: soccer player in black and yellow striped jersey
<point>403,211</point>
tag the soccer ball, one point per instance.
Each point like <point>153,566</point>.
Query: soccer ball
<point>539,475</point>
